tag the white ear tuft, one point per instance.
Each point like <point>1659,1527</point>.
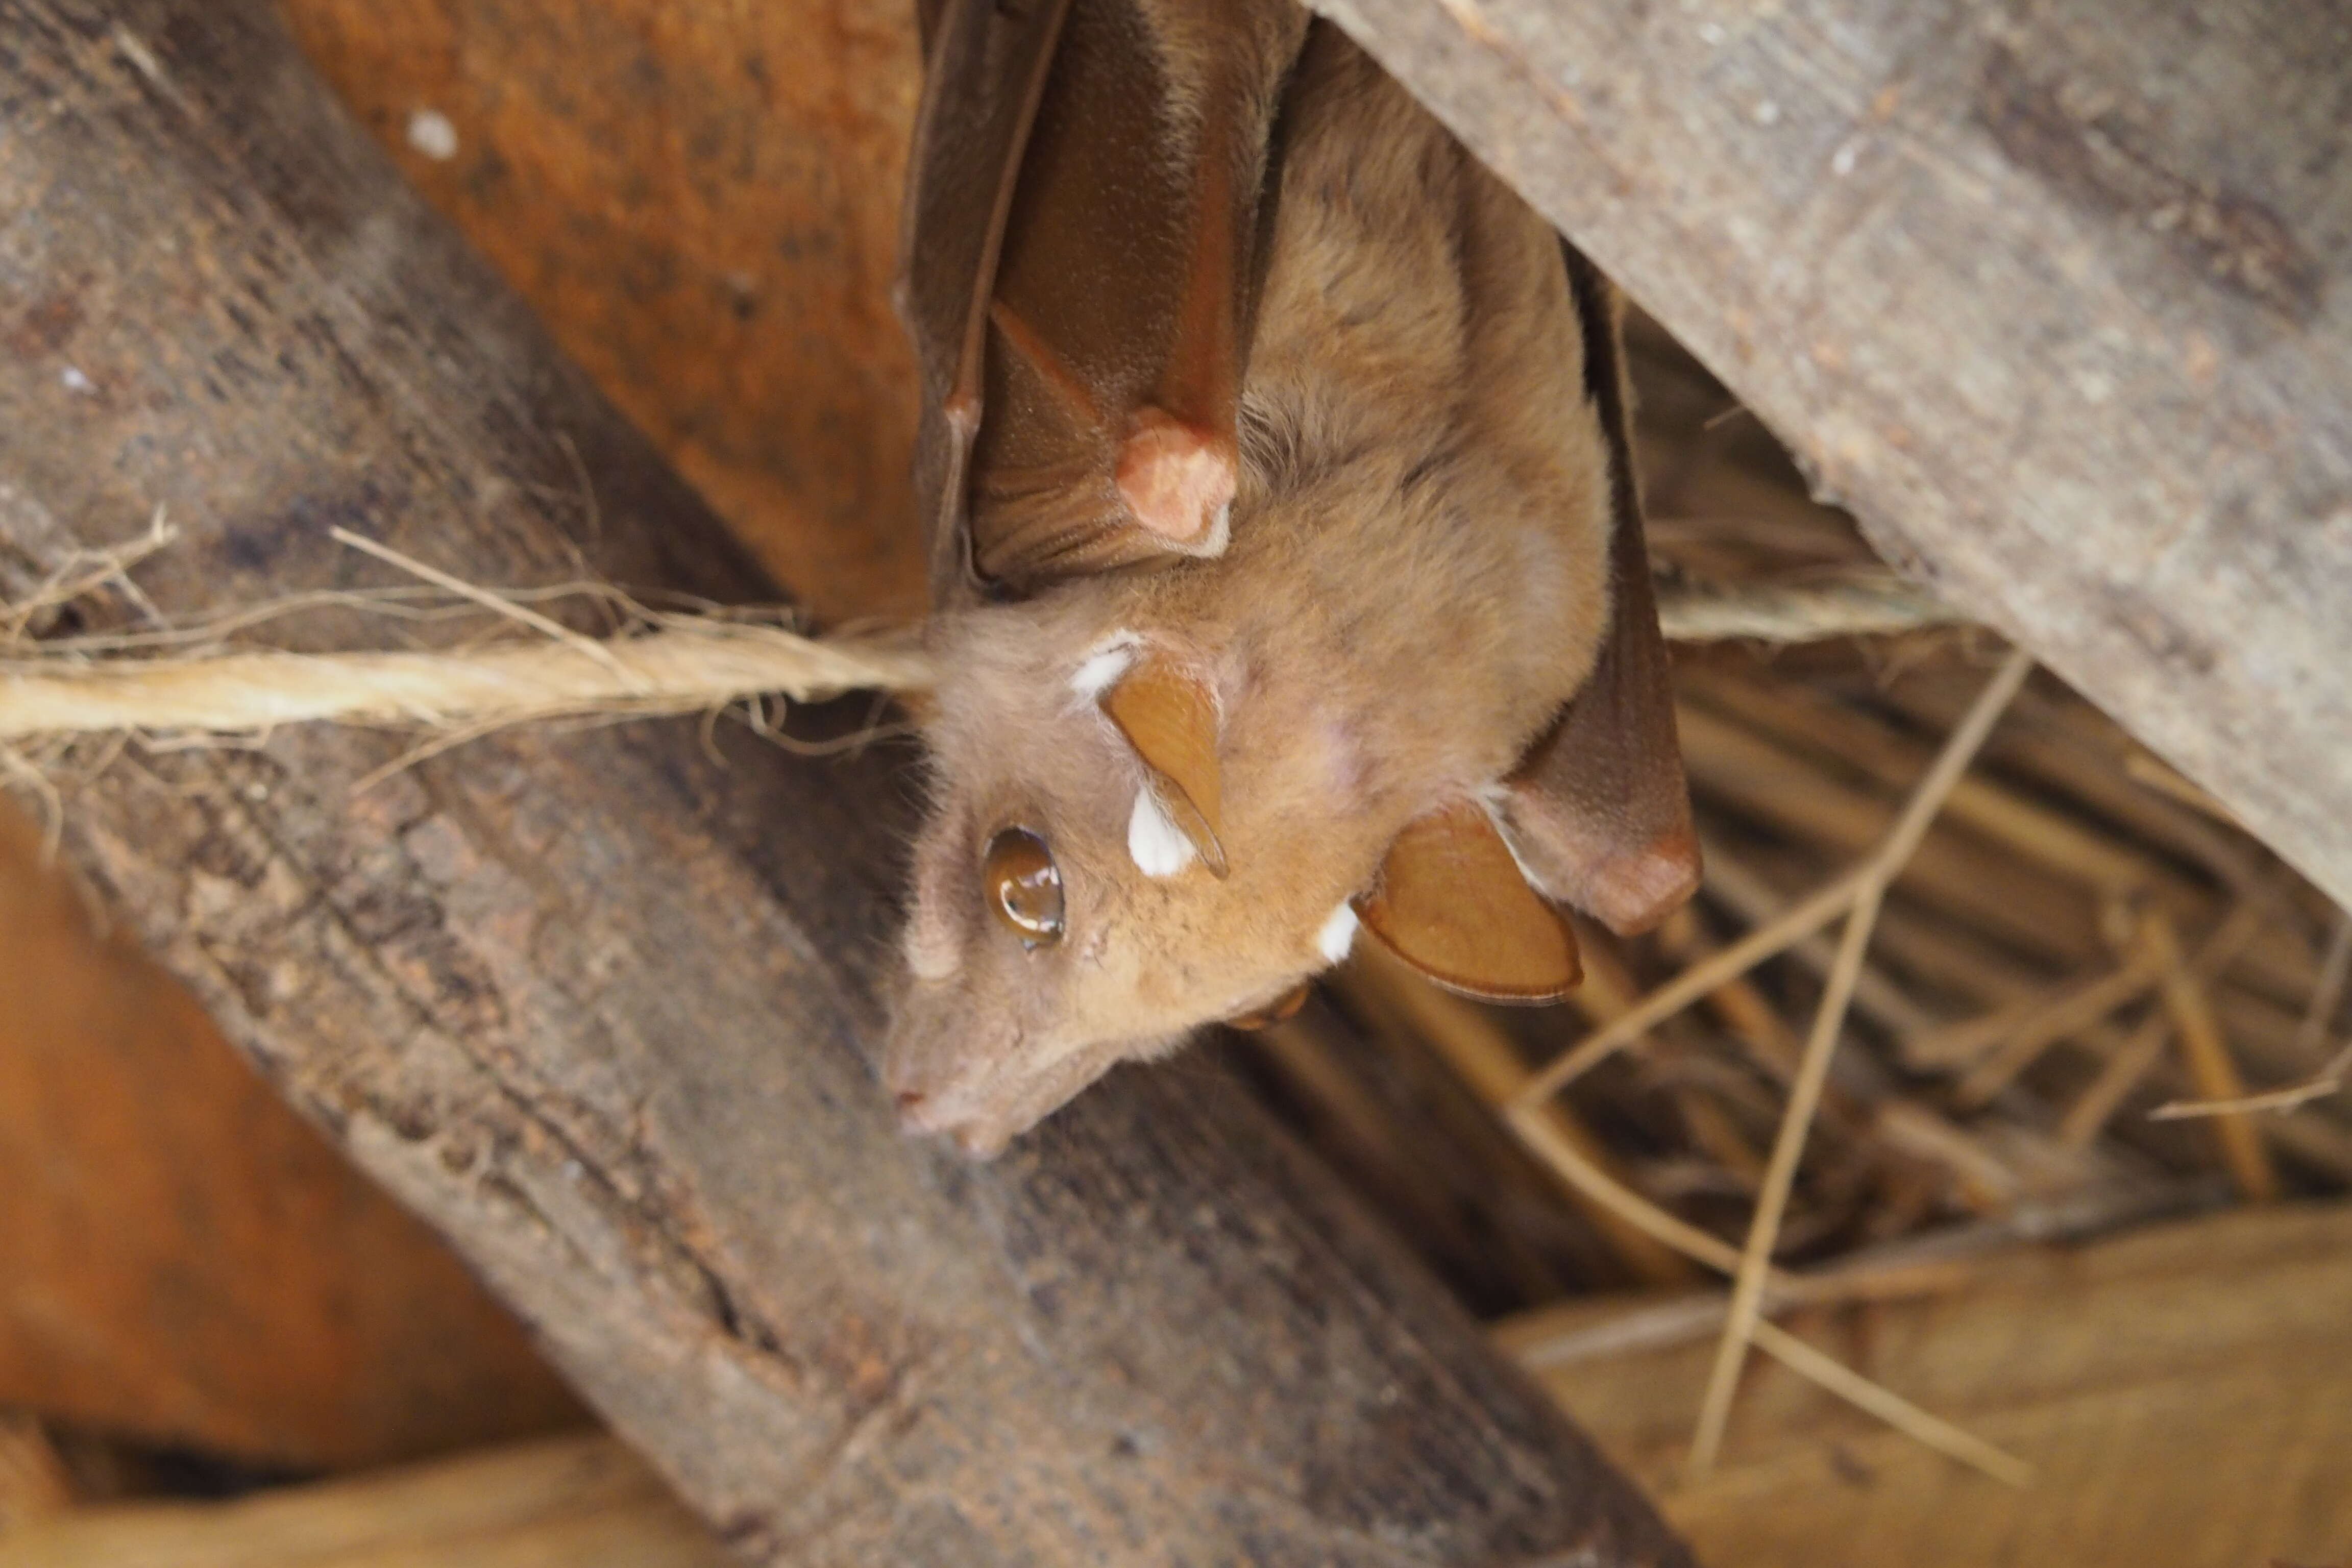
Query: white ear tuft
<point>1220,534</point>
<point>1339,934</point>
<point>1157,845</point>
<point>1493,800</point>
<point>1100,670</point>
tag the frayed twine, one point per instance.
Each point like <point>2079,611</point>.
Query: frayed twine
<point>196,683</point>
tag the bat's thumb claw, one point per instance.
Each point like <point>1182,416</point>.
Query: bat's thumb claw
<point>1178,480</point>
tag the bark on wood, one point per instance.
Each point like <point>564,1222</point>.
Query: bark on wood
<point>594,1002</point>
<point>2053,292</point>
<point>249,1294</point>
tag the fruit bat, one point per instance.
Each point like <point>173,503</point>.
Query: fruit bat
<point>1288,574</point>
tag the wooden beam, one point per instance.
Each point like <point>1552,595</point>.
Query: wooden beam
<point>2052,293</point>
<point>596,1003</point>
<point>580,1500</point>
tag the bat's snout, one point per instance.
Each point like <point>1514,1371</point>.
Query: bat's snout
<point>933,1089</point>
<point>922,1114</point>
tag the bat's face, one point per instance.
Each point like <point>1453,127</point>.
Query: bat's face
<point>1085,892</point>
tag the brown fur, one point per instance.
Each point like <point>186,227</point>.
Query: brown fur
<point>1415,585</point>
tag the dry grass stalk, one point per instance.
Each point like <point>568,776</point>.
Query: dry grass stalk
<point>2131,1060</point>
<point>1933,1265</point>
<point>1874,1399</point>
<point>83,571</point>
<point>1743,1009</point>
<point>1793,924</point>
<point>1748,896</point>
<point>1856,894</point>
<point>1542,1135</point>
<point>1860,604</point>
<point>2015,1034</point>
<point>1485,1059</point>
<point>1876,872</point>
<point>1980,1179</point>
<point>2324,1000</point>
<point>2211,1066</point>
<point>2329,1080</point>
<point>2013,898</point>
<point>2074,1009</point>
<point>2081,853</point>
<point>1780,1178</point>
<point>495,602</point>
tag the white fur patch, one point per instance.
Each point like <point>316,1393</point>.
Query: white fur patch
<point>1099,669</point>
<point>1494,799</point>
<point>1221,533</point>
<point>930,948</point>
<point>1339,934</point>
<point>1156,844</point>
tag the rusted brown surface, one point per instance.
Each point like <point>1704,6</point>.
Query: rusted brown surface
<point>596,1003</point>
<point>186,1262</point>
<point>701,202</point>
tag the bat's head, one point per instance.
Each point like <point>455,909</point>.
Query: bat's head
<point>1083,892</point>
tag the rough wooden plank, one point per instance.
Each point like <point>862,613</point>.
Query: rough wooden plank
<point>2185,1395</point>
<point>581,1501</point>
<point>701,203</point>
<point>2053,292</point>
<point>184,1260</point>
<point>594,1002</point>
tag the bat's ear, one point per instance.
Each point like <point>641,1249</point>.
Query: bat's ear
<point>1451,902</point>
<point>1168,714</point>
<point>1598,811</point>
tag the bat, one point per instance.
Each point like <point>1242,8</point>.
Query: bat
<point>1287,563</point>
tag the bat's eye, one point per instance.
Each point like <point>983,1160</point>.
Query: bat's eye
<point>1022,887</point>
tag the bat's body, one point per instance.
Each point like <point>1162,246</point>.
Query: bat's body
<point>1321,678</point>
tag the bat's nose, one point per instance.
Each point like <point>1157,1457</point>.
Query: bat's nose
<point>923,1114</point>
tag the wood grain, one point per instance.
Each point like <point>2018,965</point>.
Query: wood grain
<point>701,203</point>
<point>2185,1395</point>
<point>581,1501</point>
<point>185,1262</point>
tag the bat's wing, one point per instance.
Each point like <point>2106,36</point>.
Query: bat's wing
<point>985,72</point>
<point>1082,242</point>
<point>1598,812</point>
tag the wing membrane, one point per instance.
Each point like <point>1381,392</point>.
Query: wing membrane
<point>1081,246</point>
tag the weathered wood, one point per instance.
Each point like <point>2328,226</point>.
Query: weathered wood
<point>184,1260</point>
<point>2184,1394</point>
<point>594,1002</point>
<point>2054,293</point>
<point>577,1501</point>
<point>701,204</point>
